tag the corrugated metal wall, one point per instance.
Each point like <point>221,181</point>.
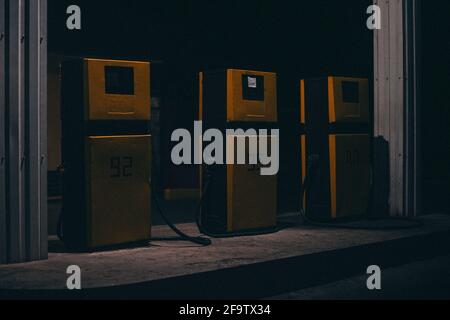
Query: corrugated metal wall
<point>23,138</point>
<point>395,103</point>
<point>389,97</point>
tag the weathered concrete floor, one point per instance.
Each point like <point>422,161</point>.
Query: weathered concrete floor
<point>164,260</point>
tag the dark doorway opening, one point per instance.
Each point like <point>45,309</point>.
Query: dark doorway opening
<point>297,39</point>
<point>435,113</point>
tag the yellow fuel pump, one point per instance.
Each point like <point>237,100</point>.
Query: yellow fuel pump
<point>238,200</point>
<point>336,143</point>
<point>106,152</point>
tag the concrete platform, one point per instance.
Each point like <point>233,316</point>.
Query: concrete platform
<point>237,268</point>
<point>427,280</point>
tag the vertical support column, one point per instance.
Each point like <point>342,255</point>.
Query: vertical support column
<point>16,224</point>
<point>413,100</point>
<point>35,131</point>
<point>43,128</point>
<point>23,200</point>
<point>397,106</point>
<point>32,134</point>
<point>3,241</point>
<point>393,99</point>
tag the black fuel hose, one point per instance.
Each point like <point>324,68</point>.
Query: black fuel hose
<point>182,236</point>
<point>311,173</point>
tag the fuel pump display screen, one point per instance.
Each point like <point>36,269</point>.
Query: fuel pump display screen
<point>119,80</point>
<point>253,87</point>
<point>350,92</point>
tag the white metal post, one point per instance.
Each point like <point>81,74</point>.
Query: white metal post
<point>395,91</point>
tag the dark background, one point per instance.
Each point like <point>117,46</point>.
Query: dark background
<point>435,114</point>
<point>306,37</point>
<point>297,39</point>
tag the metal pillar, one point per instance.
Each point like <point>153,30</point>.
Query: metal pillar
<point>396,99</point>
<point>413,56</point>
<point>23,57</point>
<point>3,243</point>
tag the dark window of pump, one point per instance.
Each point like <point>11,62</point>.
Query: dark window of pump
<point>119,80</point>
<point>253,88</point>
<point>350,92</point>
